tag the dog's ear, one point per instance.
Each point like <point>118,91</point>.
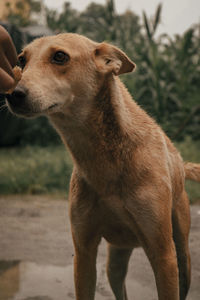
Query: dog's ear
<point>110,59</point>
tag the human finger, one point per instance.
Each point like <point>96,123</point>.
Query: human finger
<point>6,81</point>
<point>7,47</point>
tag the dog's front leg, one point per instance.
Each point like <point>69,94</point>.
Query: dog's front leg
<point>85,225</point>
<point>85,273</point>
<point>154,229</point>
<point>85,268</point>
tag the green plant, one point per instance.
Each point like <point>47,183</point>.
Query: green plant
<point>34,170</point>
<point>190,152</point>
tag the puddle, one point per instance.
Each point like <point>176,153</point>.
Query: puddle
<point>31,281</point>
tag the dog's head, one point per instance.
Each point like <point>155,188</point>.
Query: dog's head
<point>61,72</point>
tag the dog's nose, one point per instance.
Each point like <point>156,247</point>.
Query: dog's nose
<point>18,96</point>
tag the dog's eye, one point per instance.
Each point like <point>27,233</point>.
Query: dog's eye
<point>60,57</point>
<point>22,61</point>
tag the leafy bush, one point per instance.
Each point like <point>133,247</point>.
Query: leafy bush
<point>45,170</point>
<point>34,170</point>
<point>190,152</point>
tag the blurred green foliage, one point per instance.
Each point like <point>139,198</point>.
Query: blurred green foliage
<point>190,152</point>
<point>40,170</point>
<point>22,14</point>
<point>34,170</point>
<point>166,83</point>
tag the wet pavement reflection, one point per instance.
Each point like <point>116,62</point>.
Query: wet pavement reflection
<point>31,281</point>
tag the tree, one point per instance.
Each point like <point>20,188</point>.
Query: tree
<point>21,13</point>
<point>66,21</point>
<point>98,22</point>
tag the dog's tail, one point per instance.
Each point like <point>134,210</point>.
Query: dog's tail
<point>192,171</point>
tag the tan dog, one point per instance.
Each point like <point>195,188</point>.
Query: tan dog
<point>128,182</point>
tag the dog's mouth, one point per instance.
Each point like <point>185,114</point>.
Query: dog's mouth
<point>21,111</point>
<point>28,111</point>
<point>52,106</point>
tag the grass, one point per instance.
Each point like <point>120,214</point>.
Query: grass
<point>190,151</point>
<point>34,170</point>
<point>40,170</point>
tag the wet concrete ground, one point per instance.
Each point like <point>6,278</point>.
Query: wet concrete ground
<point>36,254</point>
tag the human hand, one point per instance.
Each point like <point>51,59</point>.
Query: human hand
<point>8,59</point>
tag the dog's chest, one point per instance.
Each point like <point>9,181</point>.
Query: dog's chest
<point>116,226</point>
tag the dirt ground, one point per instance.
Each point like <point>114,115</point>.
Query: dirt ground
<point>36,254</point>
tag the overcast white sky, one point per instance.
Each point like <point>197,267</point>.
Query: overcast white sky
<point>177,15</point>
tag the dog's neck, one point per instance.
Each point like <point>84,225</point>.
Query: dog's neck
<point>97,139</point>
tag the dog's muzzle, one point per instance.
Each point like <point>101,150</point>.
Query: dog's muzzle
<point>18,97</point>
<point>18,102</point>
